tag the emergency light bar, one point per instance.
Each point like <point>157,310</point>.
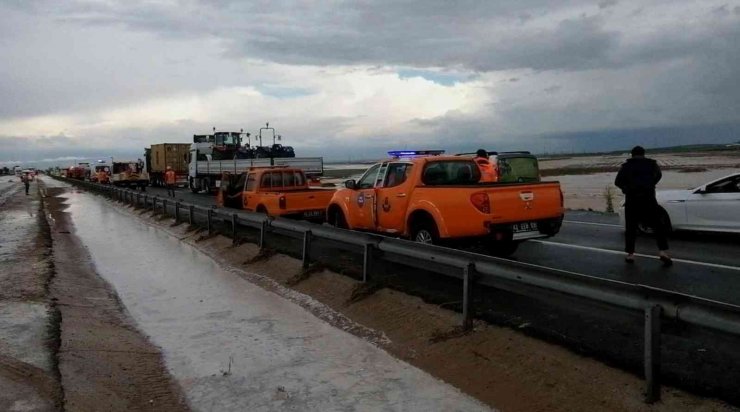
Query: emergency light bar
<point>412,153</point>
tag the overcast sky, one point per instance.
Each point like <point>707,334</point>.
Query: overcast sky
<point>354,79</point>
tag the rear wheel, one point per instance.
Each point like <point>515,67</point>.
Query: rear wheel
<point>425,232</point>
<point>336,219</point>
<point>193,188</point>
<point>263,210</point>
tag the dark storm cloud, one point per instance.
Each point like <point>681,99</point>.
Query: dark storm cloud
<point>480,36</point>
<point>579,65</point>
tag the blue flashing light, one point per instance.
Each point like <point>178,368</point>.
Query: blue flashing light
<point>414,153</point>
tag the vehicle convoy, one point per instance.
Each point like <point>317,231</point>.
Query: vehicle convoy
<point>101,173</point>
<point>713,207</point>
<point>428,197</point>
<point>77,172</point>
<point>213,155</point>
<point>275,191</point>
<point>130,173</point>
<point>159,156</point>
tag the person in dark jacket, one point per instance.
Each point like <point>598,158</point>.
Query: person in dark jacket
<point>637,178</point>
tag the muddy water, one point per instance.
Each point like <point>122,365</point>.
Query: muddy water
<point>234,346</point>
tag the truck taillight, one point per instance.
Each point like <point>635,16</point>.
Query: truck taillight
<point>481,202</point>
<point>281,202</point>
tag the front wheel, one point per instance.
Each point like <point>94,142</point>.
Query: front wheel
<point>336,219</point>
<point>425,232</point>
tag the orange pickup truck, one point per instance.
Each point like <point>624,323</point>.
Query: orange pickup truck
<point>275,191</point>
<point>432,198</point>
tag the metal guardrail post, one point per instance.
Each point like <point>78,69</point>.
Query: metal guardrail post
<point>367,261</point>
<point>191,211</point>
<point>209,219</point>
<point>467,315</point>
<point>164,207</point>
<point>177,211</point>
<point>306,248</point>
<point>263,231</point>
<point>138,199</point>
<point>652,353</point>
<point>146,201</point>
<point>154,204</point>
<point>233,229</point>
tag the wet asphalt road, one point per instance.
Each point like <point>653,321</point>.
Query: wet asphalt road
<point>590,243</point>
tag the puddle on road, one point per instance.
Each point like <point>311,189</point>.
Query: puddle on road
<point>234,346</point>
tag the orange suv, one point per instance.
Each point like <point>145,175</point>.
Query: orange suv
<point>433,198</point>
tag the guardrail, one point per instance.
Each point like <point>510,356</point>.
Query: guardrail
<point>521,278</point>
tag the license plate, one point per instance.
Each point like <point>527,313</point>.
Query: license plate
<point>525,227</point>
<point>217,183</point>
<point>313,213</point>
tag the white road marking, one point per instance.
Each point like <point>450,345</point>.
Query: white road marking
<point>578,222</point>
<point>619,252</point>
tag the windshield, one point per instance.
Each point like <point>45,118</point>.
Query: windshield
<point>518,169</point>
<point>451,172</point>
<point>227,138</point>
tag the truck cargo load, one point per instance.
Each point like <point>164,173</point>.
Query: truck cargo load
<point>161,155</point>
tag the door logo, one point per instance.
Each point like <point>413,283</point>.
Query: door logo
<point>386,205</point>
<point>361,199</point>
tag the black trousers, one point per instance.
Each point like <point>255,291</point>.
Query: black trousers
<point>27,185</point>
<point>648,212</point>
<point>171,189</point>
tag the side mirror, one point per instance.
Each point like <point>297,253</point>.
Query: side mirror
<point>701,191</point>
<point>350,184</point>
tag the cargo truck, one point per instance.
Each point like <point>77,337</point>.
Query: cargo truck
<point>159,156</point>
<point>213,155</point>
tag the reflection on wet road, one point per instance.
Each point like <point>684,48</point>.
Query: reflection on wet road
<point>234,346</point>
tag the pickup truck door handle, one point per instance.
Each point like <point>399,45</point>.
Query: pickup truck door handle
<point>401,195</point>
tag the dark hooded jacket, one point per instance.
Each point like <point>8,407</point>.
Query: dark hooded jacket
<point>637,178</point>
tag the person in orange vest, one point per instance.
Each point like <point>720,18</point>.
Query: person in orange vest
<point>169,180</point>
<point>487,169</point>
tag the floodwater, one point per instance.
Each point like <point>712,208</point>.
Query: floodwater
<point>232,345</point>
<point>588,191</point>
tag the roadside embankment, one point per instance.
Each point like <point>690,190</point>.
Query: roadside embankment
<point>499,366</point>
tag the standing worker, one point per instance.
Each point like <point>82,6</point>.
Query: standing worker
<point>26,179</point>
<point>169,180</point>
<point>637,178</point>
<point>487,170</point>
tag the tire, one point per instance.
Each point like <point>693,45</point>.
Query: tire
<point>263,210</point>
<point>336,219</point>
<point>425,231</point>
<point>192,185</point>
<point>503,248</point>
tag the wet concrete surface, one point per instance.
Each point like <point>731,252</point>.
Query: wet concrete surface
<point>234,346</point>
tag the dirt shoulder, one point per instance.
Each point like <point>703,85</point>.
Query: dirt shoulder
<point>28,375</point>
<point>500,366</point>
<point>104,362</point>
